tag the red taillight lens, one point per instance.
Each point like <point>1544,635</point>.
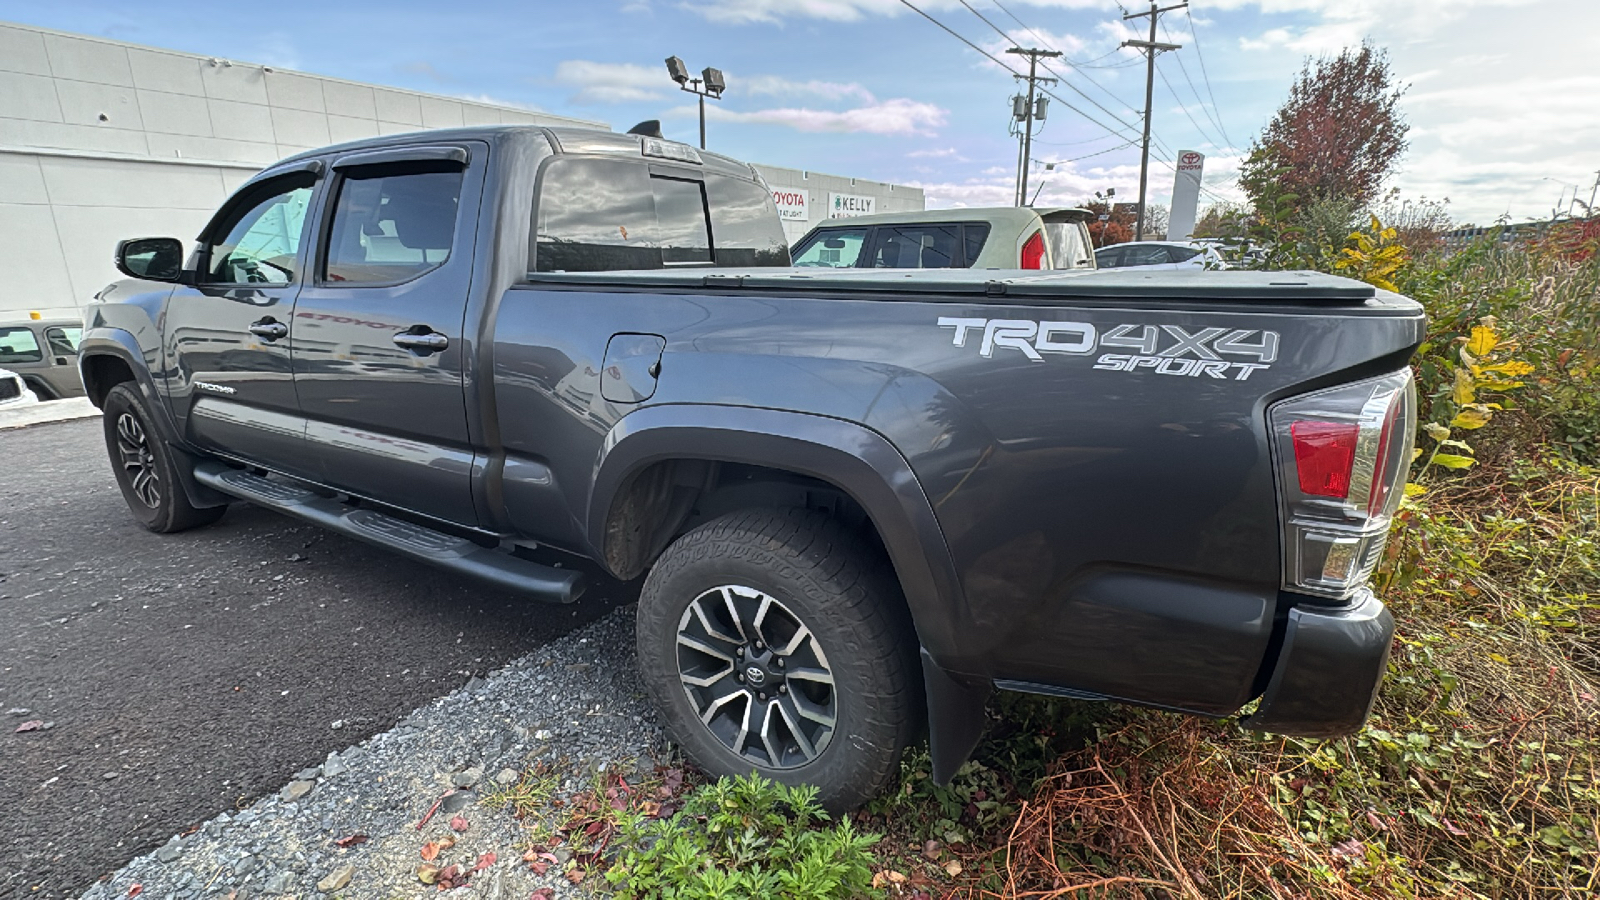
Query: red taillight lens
<point>1384,481</point>
<point>1033,251</point>
<point>1324,454</point>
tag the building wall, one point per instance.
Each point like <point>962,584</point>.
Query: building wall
<point>102,140</point>
<point>817,186</point>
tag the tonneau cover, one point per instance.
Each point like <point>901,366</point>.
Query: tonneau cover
<point>1299,286</point>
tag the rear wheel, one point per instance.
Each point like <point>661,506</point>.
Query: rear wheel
<point>776,641</point>
<point>146,468</point>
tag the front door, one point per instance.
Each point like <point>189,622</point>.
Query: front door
<point>379,348</point>
<point>231,386</point>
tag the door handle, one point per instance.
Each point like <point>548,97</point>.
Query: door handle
<point>269,329</point>
<point>421,341</point>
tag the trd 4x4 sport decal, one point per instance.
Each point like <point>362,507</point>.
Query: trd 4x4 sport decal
<point>1162,349</point>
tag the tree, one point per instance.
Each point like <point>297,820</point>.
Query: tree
<point>1118,229</point>
<point>1336,137</point>
<point>1222,220</point>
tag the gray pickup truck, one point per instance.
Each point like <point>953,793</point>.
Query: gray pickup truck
<point>860,502</point>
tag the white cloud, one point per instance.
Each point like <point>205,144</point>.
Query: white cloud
<point>741,12</point>
<point>898,116</point>
<point>784,87</point>
<point>599,82</point>
<point>943,153</point>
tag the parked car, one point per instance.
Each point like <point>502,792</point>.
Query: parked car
<point>45,353</point>
<point>1004,237</point>
<point>856,499</point>
<point>1159,255</point>
<point>14,391</point>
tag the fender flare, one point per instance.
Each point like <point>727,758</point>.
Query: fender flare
<point>868,468</point>
<point>123,346</point>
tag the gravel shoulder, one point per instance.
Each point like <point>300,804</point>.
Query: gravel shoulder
<point>574,705</point>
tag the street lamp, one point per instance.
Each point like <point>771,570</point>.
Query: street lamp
<point>711,83</point>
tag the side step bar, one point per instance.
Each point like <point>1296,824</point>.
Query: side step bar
<point>421,543</point>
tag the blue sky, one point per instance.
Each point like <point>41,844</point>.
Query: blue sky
<point>1505,114</point>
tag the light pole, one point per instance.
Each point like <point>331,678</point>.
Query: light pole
<point>711,83</point>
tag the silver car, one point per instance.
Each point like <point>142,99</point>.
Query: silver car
<point>1006,237</point>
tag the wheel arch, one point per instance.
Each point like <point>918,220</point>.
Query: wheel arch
<point>686,442</point>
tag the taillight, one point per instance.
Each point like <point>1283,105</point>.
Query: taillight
<point>1324,454</point>
<point>1342,455</point>
<point>1033,251</point>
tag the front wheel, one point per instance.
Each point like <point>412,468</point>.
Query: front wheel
<point>146,468</point>
<point>776,641</point>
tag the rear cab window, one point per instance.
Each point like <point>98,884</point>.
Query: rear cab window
<point>597,215</point>
<point>1069,245</point>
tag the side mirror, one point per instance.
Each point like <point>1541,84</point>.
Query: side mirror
<point>153,259</point>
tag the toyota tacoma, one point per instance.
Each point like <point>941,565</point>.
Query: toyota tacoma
<point>859,502</point>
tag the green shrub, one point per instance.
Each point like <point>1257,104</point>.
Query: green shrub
<point>743,838</point>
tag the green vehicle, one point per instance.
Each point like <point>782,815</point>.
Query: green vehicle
<point>1006,237</point>
<point>44,352</point>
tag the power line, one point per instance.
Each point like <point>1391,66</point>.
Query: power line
<point>1184,107</point>
<point>1195,90</point>
<point>998,30</point>
<point>1194,33</point>
<point>992,58</point>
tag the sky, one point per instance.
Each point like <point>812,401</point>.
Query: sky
<point>1503,101</point>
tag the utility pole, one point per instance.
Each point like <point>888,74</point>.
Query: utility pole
<point>1030,112</point>
<point>1150,48</point>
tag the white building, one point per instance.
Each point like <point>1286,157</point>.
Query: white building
<point>102,140</point>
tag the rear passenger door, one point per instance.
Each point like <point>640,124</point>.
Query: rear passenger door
<point>380,350</point>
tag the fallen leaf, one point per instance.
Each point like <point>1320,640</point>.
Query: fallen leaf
<point>34,725</point>
<point>930,850</point>
<point>897,878</point>
<point>1352,848</point>
<point>953,868</point>
<point>650,808</point>
<point>458,823</point>
<point>879,880</point>
<point>543,894</point>
<point>1453,828</point>
<point>351,840</point>
<point>576,875</point>
<point>134,891</point>
<point>428,874</point>
<point>484,862</point>
<point>429,851</point>
<point>451,877</point>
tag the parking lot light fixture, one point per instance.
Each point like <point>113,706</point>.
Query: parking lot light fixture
<point>711,83</point>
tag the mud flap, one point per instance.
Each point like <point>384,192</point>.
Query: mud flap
<point>955,717</point>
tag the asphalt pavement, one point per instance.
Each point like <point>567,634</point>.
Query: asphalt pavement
<point>178,676</point>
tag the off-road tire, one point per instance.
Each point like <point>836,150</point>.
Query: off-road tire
<point>149,480</point>
<point>834,581</point>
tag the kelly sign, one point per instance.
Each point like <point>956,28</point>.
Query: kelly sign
<point>791,204</point>
<point>843,206</point>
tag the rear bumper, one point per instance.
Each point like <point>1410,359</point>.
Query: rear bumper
<point>1328,672</point>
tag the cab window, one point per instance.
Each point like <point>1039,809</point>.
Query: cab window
<point>259,241</point>
<point>18,345</point>
<point>833,248</point>
<point>393,223</point>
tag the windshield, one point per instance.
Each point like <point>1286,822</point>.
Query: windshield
<point>833,248</point>
<point>1069,245</point>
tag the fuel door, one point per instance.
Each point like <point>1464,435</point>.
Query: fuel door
<point>632,364</point>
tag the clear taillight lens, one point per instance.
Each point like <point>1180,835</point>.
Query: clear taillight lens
<point>1342,455</point>
<point>1033,251</point>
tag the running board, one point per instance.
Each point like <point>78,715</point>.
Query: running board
<point>419,542</point>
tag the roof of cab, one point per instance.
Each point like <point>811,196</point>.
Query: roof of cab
<point>565,140</point>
